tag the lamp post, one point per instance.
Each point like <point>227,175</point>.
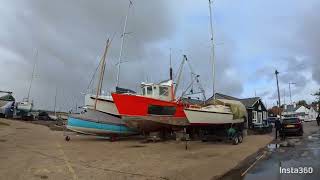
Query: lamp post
<point>279,101</point>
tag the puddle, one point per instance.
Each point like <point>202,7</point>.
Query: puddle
<point>314,137</point>
<point>273,147</point>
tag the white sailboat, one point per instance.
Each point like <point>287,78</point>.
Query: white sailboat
<point>95,122</point>
<point>219,111</point>
<point>104,103</point>
<point>25,106</point>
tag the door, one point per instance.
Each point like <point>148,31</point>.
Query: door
<point>259,118</point>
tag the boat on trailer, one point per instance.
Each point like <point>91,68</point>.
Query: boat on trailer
<point>220,111</point>
<point>217,111</point>
<point>155,109</point>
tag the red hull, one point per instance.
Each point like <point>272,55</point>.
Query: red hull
<point>137,110</point>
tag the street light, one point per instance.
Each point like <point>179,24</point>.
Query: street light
<point>290,90</point>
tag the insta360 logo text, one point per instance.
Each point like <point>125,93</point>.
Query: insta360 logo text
<point>296,170</point>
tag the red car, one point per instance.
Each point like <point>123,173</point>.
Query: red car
<point>291,126</point>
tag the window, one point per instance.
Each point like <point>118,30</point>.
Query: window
<point>143,91</point>
<point>149,90</point>
<point>161,110</point>
<point>164,91</point>
<point>254,116</point>
<point>265,115</point>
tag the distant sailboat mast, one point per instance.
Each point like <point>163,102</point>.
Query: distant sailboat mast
<point>212,51</point>
<point>33,71</point>
<point>122,42</point>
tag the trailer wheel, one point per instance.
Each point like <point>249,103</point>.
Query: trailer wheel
<point>235,140</point>
<point>240,138</point>
<point>67,138</point>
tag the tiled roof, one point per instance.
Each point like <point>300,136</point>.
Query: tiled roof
<point>249,102</point>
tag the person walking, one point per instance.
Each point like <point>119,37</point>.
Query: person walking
<point>277,125</point>
<point>318,119</point>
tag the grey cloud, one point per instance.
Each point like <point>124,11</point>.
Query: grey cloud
<point>70,37</point>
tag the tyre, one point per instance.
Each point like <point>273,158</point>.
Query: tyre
<point>240,138</point>
<point>235,140</point>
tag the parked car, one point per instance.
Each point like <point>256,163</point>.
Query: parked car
<point>43,116</point>
<point>308,120</point>
<point>291,126</point>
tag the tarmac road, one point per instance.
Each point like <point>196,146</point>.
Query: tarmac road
<point>305,153</point>
<point>294,152</point>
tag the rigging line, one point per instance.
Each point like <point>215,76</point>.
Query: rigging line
<point>94,74</point>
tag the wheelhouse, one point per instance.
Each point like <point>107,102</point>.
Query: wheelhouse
<point>163,90</point>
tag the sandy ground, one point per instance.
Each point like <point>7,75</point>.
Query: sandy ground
<point>30,151</point>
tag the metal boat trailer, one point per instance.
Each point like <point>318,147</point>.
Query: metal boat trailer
<point>220,133</point>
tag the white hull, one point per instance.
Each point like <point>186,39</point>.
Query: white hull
<point>211,115</point>
<point>25,106</point>
<point>104,104</point>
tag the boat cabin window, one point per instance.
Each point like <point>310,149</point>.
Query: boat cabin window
<point>161,110</point>
<point>149,90</point>
<point>143,91</point>
<point>164,91</point>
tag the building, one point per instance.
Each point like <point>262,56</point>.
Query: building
<point>257,111</point>
<point>304,113</point>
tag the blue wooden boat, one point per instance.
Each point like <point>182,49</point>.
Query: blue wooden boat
<point>97,123</point>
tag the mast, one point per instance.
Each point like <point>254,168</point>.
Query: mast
<point>55,102</point>
<point>279,100</point>
<point>102,70</point>
<point>33,70</point>
<point>171,78</point>
<point>212,51</point>
<point>122,42</point>
<point>171,70</point>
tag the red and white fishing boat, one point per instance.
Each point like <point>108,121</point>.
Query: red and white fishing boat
<point>155,109</point>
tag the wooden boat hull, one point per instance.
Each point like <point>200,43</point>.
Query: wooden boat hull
<point>154,123</point>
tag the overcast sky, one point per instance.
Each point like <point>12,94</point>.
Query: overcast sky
<point>253,38</point>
